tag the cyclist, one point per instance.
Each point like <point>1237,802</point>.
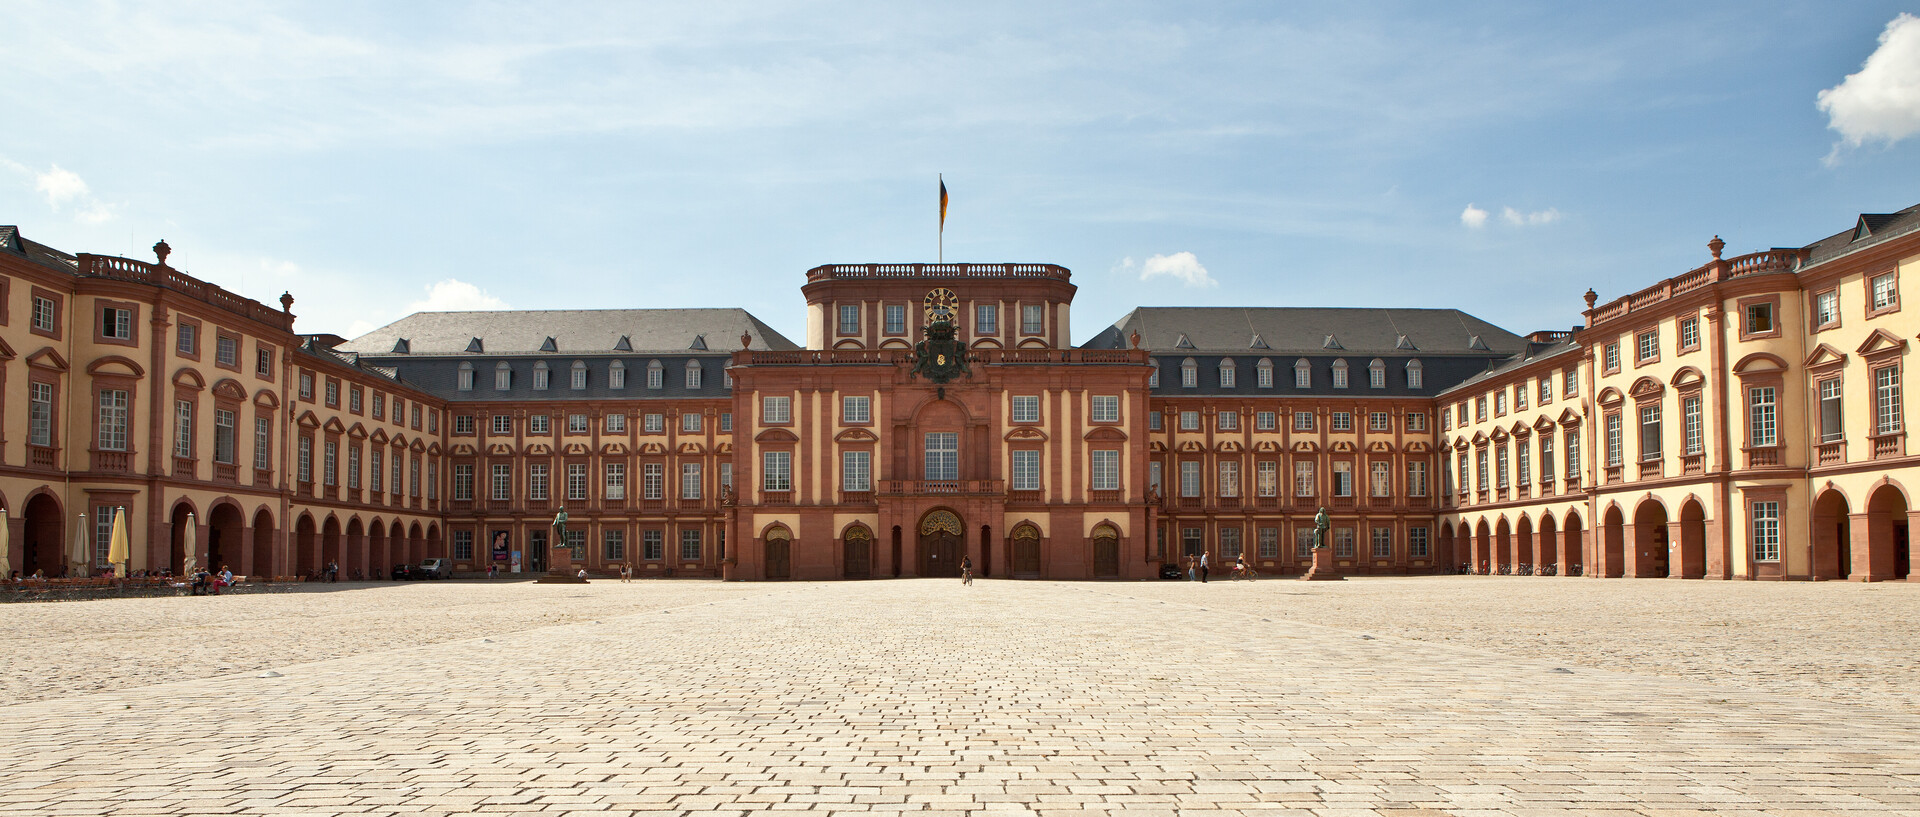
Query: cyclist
<point>966,570</point>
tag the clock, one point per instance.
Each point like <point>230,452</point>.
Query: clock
<point>940,304</point>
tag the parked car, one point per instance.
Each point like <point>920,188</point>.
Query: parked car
<point>402,573</point>
<point>1169,570</point>
<point>436,569</point>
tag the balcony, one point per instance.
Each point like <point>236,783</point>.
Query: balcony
<point>1616,474</point>
<point>1191,503</point>
<point>856,497</point>
<point>578,504</point>
<point>114,461</point>
<point>1693,464</point>
<point>1266,502</point>
<point>1342,502</point>
<point>1417,502</point>
<point>1651,469</point>
<point>1763,457</point>
<point>226,472</point>
<point>942,487</point>
<point>1025,497</point>
<point>40,456</point>
<point>776,497</point>
<point>1229,502</point>
<point>1888,446</point>
<point>498,505</point>
<point>537,504</point>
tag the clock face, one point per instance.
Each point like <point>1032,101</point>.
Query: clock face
<point>940,304</point>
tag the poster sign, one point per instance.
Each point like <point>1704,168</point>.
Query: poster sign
<point>500,548</point>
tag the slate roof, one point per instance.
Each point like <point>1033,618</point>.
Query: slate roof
<point>1306,330</point>
<point>1869,229</point>
<point>12,241</point>
<point>574,331</point>
<point>1533,353</point>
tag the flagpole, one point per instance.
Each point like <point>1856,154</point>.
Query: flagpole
<point>943,219</point>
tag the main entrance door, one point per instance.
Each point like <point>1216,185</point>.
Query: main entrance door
<point>942,543</point>
<point>778,566</point>
<point>1026,552</point>
<point>1106,552</point>
<point>857,557</point>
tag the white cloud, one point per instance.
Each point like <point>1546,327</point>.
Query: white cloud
<point>454,295</point>
<point>1473,217</point>
<point>1881,102</point>
<point>1535,218</point>
<point>60,185</point>
<point>1181,265</point>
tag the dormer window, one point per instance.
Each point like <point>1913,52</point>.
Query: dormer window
<point>616,375</point>
<point>579,375</point>
<point>1153,373</point>
<point>1263,373</point>
<point>502,376</point>
<point>540,375</point>
<point>465,377</point>
<point>1302,374</point>
<point>1340,373</point>
<point>693,374</point>
<point>1377,374</point>
<point>1415,373</point>
<point>1226,373</point>
<point>656,375</point>
<point>1189,373</point>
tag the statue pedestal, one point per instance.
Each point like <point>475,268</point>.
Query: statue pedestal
<point>1322,568</point>
<point>560,568</point>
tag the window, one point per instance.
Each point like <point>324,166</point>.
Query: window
<point>379,406</point>
<point>1546,457</point>
<point>1377,374</point>
<point>1268,542</point>
<point>613,544</point>
<point>1614,442</point>
<point>1417,543</point>
<point>187,339</point>
<point>1302,374</point>
<point>691,478</point>
<point>1446,418</point>
<point>183,428</point>
<point>1382,543</point>
<point>1153,475</point>
<point>1462,479</point>
<point>113,420</point>
<point>330,475</point>
<point>537,482</point>
<point>896,319</point>
<point>1303,421</point>
<point>433,475</point>
<point>693,374</point>
<point>1571,386</point>
<point>1229,474</point>
<point>1416,421</point>
<point>726,421</point>
<point>942,450</point>
<point>1766,531</point>
<point>652,545</point>
<point>1379,421</point>
<point>617,423</point>
<point>1032,317</point>
<point>1650,432</point>
<point>774,410</point>
<point>502,424</point>
<point>1106,470</point>
<point>1523,463</point>
<point>653,477</point>
<point>1190,478</point>
<point>1611,359</point>
<point>1761,427</point>
<point>1229,544</point>
<point>1520,396</point>
<point>1759,318</point>
<point>1647,345</point>
<point>856,470</point>
<point>689,545</point>
<point>262,443</point>
<point>539,425</point>
<point>1343,478</point>
<point>1416,479</point>
<point>1026,470</point>
<point>1026,409</point>
<point>1189,373</point>
<point>306,386</point>
<point>1343,543</point>
<point>1153,421</point>
<point>375,473</point>
<point>1826,308</point>
<point>1546,389</point>
<point>986,319</point>
<point>1883,293</point>
<point>1502,465</point>
<point>1191,542</point>
<point>1342,421</point>
<point>576,481</point>
<point>465,379</point>
<point>502,376</point>
<point>1886,400</point>
<point>463,424</point>
<point>1303,541</point>
<point>576,424</point>
<point>1153,373</point>
<point>1264,421</point>
<point>223,437</point>
<point>616,375</point>
<point>1340,374</point>
<point>116,323</point>
<point>1572,448</point>
<point>690,423</point>
<point>1266,478</point>
<point>1381,478</point>
<point>333,393</point>
<point>46,314</point>
<point>849,319</point>
<point>614,477</point>
<point>1226,373</point>
<point>1106,408</point>
<point>40,414</point>
<point>542,376</point>
<point>1189,421</point>
<point>656,375</point>
<point>1500,403</point>
<point>776,471</point>
<point>502,482</point>
<point>579,373</point>
<point>1480,409</point>
<point>103,532</point>
<point>1481,470</point>
<point>1227,420</point>
<point>1263,373</point>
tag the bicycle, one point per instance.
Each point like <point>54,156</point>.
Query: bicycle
<point>966,576</point>
<point>1243,572</point>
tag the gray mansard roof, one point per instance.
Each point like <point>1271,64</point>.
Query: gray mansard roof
<point>573,331</point>
<point>1346,331</point>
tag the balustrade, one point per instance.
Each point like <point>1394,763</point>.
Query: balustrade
<point>1763,457</point>
<point>1889,446</point>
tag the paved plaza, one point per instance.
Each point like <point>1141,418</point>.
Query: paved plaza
<point>1415,696</point>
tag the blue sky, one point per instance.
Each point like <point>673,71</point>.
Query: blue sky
<point>377,158</point>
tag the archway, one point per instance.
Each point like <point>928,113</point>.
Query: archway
<point>1832,541</point>
<point>1692,549</point>
<point>1523,549</point>
<point>177,524</point>
<point>1651,541</point>
<point>434,545</point>
<point>1887,534</point>
<point>1106,552</point>
<point>942,542</point>
<point>226,536</point>
<point>306,548</point>
<point>894,552</point>
<point>986,551</point>
<point>1502,547</point>
<point>1548,549</point>
<point>777,547</point>
<point>856,547</point>
<point>1573,546</point>
<point>43,537</point>
<point>329,543</point>
<point>1613,539</point>
<point>416,547</point>
<point>263,561</point>
<point>1443,555</point>
<point>1025,552</point>
<point>378,558</point>
<point>355,562</point>
<point>1483,548</point>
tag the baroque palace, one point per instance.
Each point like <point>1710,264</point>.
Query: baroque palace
<point>1744,419</point>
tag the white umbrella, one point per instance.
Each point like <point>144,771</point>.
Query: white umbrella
<point>117,544</point>
<point>80,561</point>
<point>6,542</point>
<point>186,568</point>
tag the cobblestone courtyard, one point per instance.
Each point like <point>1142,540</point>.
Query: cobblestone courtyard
<point>1459,695</point>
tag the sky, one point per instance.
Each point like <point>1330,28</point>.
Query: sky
<point>375,159</point>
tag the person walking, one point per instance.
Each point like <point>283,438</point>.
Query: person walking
<point>1203,567</point>
<point>626,572</point>
<point>966,570</point>
<point>1193,569</point>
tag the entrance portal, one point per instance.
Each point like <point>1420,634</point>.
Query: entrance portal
<point>1026,552</point>
<point>857,558</point>
<point>942,543</point>
<point>777,543</point>
<point>1106,553</point>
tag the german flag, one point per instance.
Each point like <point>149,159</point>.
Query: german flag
<point>943,205</point>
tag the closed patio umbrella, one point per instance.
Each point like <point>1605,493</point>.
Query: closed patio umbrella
<point>186,568</point>
<point>6,541</point>
<point>117,544</point>
<point>80,561</point>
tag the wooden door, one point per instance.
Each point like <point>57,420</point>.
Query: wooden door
<point>1026,553</point>
<point>1106,557</point>
<point>857,561</point>
<point>940,553</point>
<point>777,565</point>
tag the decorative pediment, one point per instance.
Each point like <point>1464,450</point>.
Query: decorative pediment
<point>1611,396</point>
<point>855,436</point>
<point>1105,434</point>
<point>1190,447</point>
<point>692,450</point>
<point>1266,447</point>
<point>115,364</point>
<point>987,343</point>
<point>357,432</point>
<point>574,449</point>
<point>379,435</point>
<point>1645,388</point>
<point>6,350</point>
<point>1880,343</point>
<point>1460,444</point>
<point>1156,447</point>
<point>849,343</point>
<point>614,449</point>
<point>418,446</point>
<point>775,435</point>
<point>1480,437</point>
<point>187,378</point>
<point>723,449</point>
<point>1520,429</point>
<point>1760,362</point>
<point>1025,434</point>
<point>1497,434</point>
<point>1418,447</point>
<point>334,426</point>
<point>462,449</point>
<point>400,440</point>
<point>1543,425</point>
<point>1825,357</point>
<point>1033,343</point>
<point>1223,447</point>
<point>651,450</point>
<point>434,449</point>
<point>1687,378</point>
<point>894,343</point>
<point>1343,447</point>
<point>47,358</point>
<point>1305,447</point>
<point>266,399</point>
<point>539,450</point>
<point>308,420</point>
<point>229,389</point>
<point>500,450</point>
<point>1380,447</point>
<point>1569,417</point>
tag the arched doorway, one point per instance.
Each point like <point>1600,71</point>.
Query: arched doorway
<point>1693,541</point>
<point>777,549</point>
<point>986,551</point>
<point>894,552</point>
<point>355,561</point>
<point>416,547</point>
<point>306,547</point>
<point>1548,549</point>
<point>856,546</point>
<point>1573,546</point>
<point>1502,547</point>
<point>226,537</point>
<point>1613,538</point>
<point>1106,552</point>
<point>377,546</point>
<point>177,525</point>
<point>263,561</point>
<point>43,537</point>
<point>1483,548</point>
<point>1025,552</point>
<point>1887,534</point>
<point>1651,541</point>
<point>1443,555</point>
<point>1832,539</point>
<point>434,545</point>
<point>942,543</point>
<point>1523,549</point>
<point>329,543</point>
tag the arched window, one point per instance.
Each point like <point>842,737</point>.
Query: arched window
<point>656,374</point>
<point>616,375</point>
<point>466,375</point>
<point>1153,374</point>
<point>726,377</point>
<point>1414,372</point>
<point>1189,373</point>
<point>693,374</point>
<point>1377,374</point>
<point>1263,373</point>
<point>502,376</point>
<point>579,375</point>
<point>1340,373</point>
<point>1302,374</point>
<point>540,374</point>
<point>1227,379</point>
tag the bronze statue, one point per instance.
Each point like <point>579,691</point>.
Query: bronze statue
<point>1320,524</point>
<point>560,529</point>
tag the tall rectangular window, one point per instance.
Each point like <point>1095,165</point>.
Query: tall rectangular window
<point>1343,543</point>
<point>40,414</point>
<point>1106,470</point>
<point>1826,308</point>
<point>188,339</point>
<point>1690,424</point>
<point>689,545</point>
<point>1611,357</point>
<point>576,481</point>
<point>1342,478</point>
<point>1485,473</point>
<point>776,470</point>
<point>46,315</point>
<point>1501,465</point>
<point>942,455</point>
<point>1570,385</point>
<point>1106,408</point>
<point>1886,400</point>
<point>1766,531</point>
<point>1303,481</point>
<point>1268,543</point>
<point>1189,478</point>
<point>400,458</point>
<point>1461,480</point>
<point>1573,453</point>
<point>1648,345</point>
<point>775,410</point>
<point>1380,478</point>
<point>1615,443</point>
<point>986,320</point>
<point>1762,429</point>
<point>1032,319</point>
<point>462,482</point>
<point>1266,478</point>
<point>613,544</point>
<point>896,319</point>
<point>113,420</point>
<point>223,436</point>
<point>1383,543</point>
<point>1522,463</point>
<point>1830,425</point>
<point>1229,544</point>
<point>856,471</point>
<point>183,428</point>
<point>1416,478</point>
<point>537,482</point>
<point>1883,293</point>
<point>1689,333</point>
<point>856,409</point>
<point>377,479</point>
<point>353,466</point>
<point>1303,541</point>
<point>614,480</point>
<point>1546,457</point>
<point>262,443</point>
<point>330,465</point>
<point>502,483</point>
<point>652,545</point>
<point>653,477</point>
<point>1229,478</point>
<point>1417,543</point>
<point>690,480</point>
<point>849,319</point>
<point>1026,469</point>
<point>1650,432</point>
